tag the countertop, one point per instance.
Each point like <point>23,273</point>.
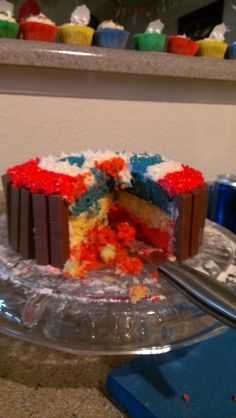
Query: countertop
<point>61,56</point>
<point>36,382</point>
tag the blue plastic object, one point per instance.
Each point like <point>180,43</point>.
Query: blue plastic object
<point>155,386</point>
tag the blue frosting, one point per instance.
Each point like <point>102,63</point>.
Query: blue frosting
<point>74,160</point>
<point>89,201</point>
<point>150,191</point>
<point>140,163</point>
<point>145,188</point>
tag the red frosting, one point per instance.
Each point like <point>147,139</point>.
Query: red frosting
<point>112,166</point>
<point>30,176</point>
<point>183,181</point>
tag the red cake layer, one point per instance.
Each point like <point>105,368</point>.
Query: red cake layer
<point>158,238</point>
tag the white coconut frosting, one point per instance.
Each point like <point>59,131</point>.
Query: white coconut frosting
<point>52,163</point>
<point>158,171</point>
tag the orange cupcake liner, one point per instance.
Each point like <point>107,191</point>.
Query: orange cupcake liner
<point>182,46</point>
<point>36,31</point>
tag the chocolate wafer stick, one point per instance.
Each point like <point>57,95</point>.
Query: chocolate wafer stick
<point>205,191</point>
<point>27,247</point>
<point>14,218</point>
<point>59,230</point>
<point>198,219</point>
<point>183,204</point>
<point>7,192</point>
<point>41,226</point>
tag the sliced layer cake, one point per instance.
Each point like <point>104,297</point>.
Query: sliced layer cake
<point>83,211</point>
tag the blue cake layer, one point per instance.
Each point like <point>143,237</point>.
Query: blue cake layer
<point>150,191</point>
<point>153,386</point>
<point>89,200</point>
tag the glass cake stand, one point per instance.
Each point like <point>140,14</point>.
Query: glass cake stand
<point>97,316</point>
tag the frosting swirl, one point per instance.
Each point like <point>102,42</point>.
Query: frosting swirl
<point>7,17</point>
<point>6,11</point>
<point>109,24</point>
<point>218,33</point>
<point>41,18</point>
<point>80,16</point>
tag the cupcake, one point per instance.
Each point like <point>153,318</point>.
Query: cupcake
<point>231,51</point>
<point>152,39</point>
<point>8,26</point>
<point>111,35</point>
<point>38,28</point>
<point>214,46</point>
<point>181,45</point>
<point>77,32</point>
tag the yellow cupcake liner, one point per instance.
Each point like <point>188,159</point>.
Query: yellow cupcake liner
<point>212,48</point>
<point>76,34</point>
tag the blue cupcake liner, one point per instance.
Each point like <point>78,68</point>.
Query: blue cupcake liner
<point>111,38</point>
<point>231,53</point>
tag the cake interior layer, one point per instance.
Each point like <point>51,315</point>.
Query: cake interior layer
<point>151,215</point>
<point>86,221</point>
<point>146,190</point>
<point>100,236</point>
<point>153,225</point>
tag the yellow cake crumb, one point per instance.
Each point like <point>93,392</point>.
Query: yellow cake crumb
<point>80,225</point>
<point>138,292</point>
<point>108,253</point>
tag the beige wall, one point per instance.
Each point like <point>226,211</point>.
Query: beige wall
<point>203,135</point>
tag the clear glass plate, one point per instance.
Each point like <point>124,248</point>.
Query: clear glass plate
<point>97,316</point>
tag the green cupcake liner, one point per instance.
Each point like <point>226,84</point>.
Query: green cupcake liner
<point>8,29</point>
<point>150,42</point>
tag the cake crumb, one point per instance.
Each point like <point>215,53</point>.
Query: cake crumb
<point>108,253</point>
<point>171,258</point>
<point>155,275</point>
<point>137,293</point>
<point>157,298</point>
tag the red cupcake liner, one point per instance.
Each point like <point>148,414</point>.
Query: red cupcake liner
<point>36,31</point>
<point>182,46</point>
